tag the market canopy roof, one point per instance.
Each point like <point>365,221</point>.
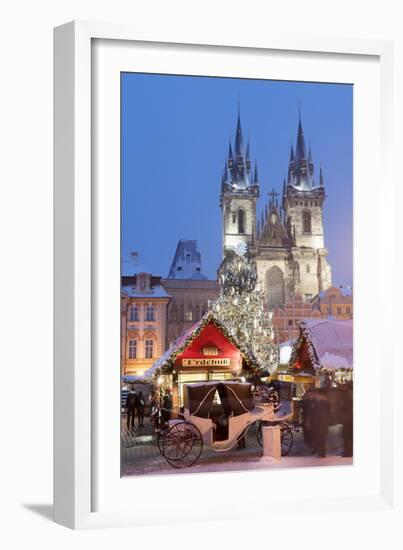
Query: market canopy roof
<point>167,361</point>
<point>329,341</point>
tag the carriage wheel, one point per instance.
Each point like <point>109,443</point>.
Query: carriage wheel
<point>160,439</point>
<point>181,445</point>
<point>286,437</point>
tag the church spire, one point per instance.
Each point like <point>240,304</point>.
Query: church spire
<point>301,167</point>
<point>239,161</point>
<point>230,155</point>
<point>239,138</point>
<point>256,177</point>
<point>321,177</point>
<point>300,148</point>
<point>247,158</point>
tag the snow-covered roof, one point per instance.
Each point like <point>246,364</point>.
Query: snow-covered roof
<point>187,262</point>
<point>330,342</point>
<point>285,349</point>
<point>344,291</point>
<point>156,291</point>
<point>168,358</point>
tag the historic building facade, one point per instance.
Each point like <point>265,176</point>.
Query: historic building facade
<point>287,239</point>
<point>143,322</point>
<point>190,290</point>
<point>336,303</point>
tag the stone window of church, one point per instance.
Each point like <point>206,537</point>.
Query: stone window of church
<point>308,268</point>
<point>275,287</point>
<point>241,221</point>
<point>306,221</point>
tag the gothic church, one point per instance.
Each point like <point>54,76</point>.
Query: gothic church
<point>287,240</point>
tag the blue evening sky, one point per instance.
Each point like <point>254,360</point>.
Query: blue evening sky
<point>175,133</point>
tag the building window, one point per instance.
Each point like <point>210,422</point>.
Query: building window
<point>132,349</point>
<point>308,268</point>
<point>290,322</point>
<point>234,218</point>
<point>189,314</point>
<point>150,313</point>
<point>348,310</point>
<point>133,313</point>
<point>275,287</point>
<point>339,311</point>
<point>174,314</point>
<point>241,221</point>
<point>197,313</point>
<point>149,349</point>
<point>306,222</point>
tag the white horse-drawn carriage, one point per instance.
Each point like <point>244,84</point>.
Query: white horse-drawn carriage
<point>219,414</point>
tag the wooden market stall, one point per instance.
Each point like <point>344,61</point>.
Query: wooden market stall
<point>206,351</point>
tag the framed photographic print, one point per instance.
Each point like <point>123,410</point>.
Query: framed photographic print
<point>218,233</point>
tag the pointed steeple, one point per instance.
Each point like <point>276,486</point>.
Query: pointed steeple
<point>225,173</point>
<point>321,177</point>
<point>248,166</point>
<point>301,168</point>
<point>230,155</point>
<point>256,177</point>
<point>239,148</point>
<point>300,148</point>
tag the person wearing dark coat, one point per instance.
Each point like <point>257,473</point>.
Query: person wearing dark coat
<point>320,425</point>
<point>140,409</point>
<point>347,419</point>
<point>166,407</point>
<point>131,407</point>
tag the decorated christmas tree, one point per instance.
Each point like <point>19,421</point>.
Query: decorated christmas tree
<point>240,308</point>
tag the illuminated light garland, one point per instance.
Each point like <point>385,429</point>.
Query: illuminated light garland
<point>208,318</point>
<point>240,309</point>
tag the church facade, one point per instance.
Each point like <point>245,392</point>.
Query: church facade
<point>287,239</point>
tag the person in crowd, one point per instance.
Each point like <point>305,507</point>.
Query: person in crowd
<point>140,409</point>
<point>166,407</point>
<point>131,407</point>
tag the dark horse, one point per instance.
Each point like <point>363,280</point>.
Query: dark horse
<point>326,407</point>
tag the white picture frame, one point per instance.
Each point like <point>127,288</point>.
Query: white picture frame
<point>87,491</point>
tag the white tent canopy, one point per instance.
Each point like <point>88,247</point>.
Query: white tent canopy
<point>332,341</point>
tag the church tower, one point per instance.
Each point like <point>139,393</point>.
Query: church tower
<point>302,197</point>
<point>239,194</point>
<point>287,239</point>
